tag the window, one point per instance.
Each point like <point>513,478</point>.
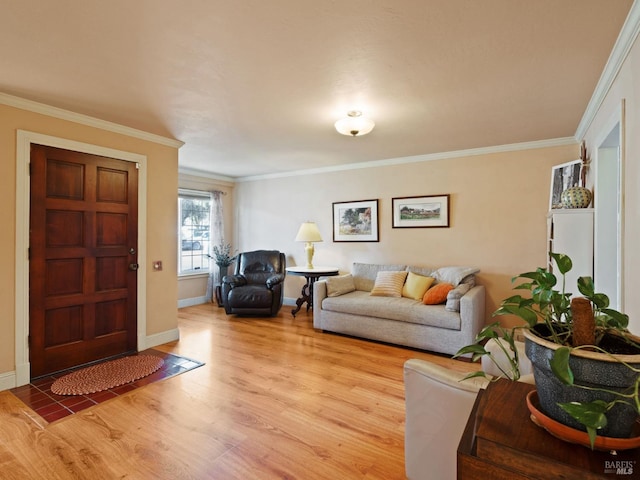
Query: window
<point>194,219</point>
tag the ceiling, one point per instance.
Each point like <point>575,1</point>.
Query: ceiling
<point>254,87</point>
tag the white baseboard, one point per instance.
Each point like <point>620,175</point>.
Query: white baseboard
<point>289,301</point>
<point>162,337</point>
<point>23,374</point>
<point>189,302</point>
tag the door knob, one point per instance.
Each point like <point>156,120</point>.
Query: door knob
<point>133,266</point>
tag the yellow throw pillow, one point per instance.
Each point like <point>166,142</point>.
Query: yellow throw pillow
<point>416,286</point>
<point>437,294</point>
<point>388,284</point>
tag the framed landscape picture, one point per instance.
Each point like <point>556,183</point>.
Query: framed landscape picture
<point>355,221</point>
<point>421,212</point>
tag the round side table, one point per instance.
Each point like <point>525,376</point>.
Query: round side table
<point>311,274</point>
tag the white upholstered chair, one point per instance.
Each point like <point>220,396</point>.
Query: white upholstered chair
<point>438,404</point>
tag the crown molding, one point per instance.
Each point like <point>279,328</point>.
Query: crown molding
<point>619,53</point>
<point>513,147</point>
<point>62,114</point>
<point>204,174</point>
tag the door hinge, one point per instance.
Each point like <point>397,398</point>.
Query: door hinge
<point>137,166</point>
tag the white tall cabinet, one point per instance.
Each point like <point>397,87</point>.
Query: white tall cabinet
<point>570,231</point>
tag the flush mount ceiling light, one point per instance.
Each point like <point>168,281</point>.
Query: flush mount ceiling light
<point>354,124</point>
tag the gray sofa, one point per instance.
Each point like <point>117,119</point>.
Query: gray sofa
<point>443,328</point>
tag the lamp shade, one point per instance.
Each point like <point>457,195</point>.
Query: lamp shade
<point>308,232</point>
<point>354,124</point>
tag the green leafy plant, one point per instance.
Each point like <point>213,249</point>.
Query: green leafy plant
<point>222,255</point>
<point>550,307</point>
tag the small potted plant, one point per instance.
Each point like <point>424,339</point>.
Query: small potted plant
<point>586,363</point>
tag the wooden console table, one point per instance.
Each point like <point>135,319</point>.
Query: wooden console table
<point>501,442</point>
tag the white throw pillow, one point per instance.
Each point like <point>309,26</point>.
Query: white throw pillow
<point>454,275</point>
<point>340,285</point>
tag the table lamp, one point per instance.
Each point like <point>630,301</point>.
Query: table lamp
<point>309,233</point>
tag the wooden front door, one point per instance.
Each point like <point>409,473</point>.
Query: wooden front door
<point>82,258</point>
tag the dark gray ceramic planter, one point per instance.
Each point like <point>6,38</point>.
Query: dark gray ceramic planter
<point>590,369</point>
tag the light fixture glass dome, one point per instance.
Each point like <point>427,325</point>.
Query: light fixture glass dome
<point>354,124</point>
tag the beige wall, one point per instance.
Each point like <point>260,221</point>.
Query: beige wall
<point>626,87</point>
<point>195,286</point>
<point>498,207</point>
<point>498,214</point>
<point>162,177</point>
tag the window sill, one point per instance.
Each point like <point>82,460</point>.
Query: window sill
<point>188,275</point>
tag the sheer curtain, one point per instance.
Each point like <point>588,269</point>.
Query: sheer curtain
<point>216,236</point>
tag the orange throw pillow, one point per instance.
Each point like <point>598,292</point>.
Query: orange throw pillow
<point>437,294</point>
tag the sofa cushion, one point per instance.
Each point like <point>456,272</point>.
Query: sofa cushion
<point>424,271</point>
<point>340,285</point>
<point>392,308</point>
<point>254,295</point>
<point>389,284</point>
<point>364,274</point>
<point>437,294</point>
<point>416,285</point>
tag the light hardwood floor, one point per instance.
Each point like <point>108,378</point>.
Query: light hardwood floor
<point>275,400</point>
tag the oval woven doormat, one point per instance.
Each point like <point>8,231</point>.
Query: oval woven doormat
<point>104,376</point>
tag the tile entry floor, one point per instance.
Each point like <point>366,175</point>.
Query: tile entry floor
<point>37,395</point>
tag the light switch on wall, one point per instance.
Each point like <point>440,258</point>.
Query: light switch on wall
<point>157,265</point>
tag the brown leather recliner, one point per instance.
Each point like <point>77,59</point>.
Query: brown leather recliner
<point>257,286</point>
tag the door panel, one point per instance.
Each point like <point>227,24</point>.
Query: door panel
<point>83,239</point>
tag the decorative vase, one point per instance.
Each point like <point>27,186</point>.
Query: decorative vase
<point>576,197</point>
<point>589,368</point>
<point>222,269</point>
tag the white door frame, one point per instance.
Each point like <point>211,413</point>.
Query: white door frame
<point>23,157</point>
<point>609,146</point>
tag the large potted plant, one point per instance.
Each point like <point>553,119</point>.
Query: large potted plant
<point>586,362</point>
